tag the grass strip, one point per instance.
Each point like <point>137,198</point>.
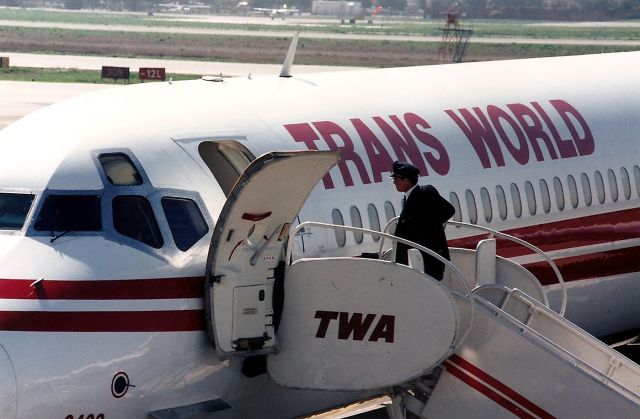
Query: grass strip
<point>60,75</point>
<point>382,26</point>
<point>267,50</point>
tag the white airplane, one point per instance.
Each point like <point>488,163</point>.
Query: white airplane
<point>120,299</point>
<point>281,12</point>
<point>174,7</point>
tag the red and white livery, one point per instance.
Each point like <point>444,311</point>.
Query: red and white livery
<point>111,204</point>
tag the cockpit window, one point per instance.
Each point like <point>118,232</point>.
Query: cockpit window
<point>185,221</point>
<point>120,170</point>
<point>70,213</point>
<point>14,209</point>
<point>133,217</point>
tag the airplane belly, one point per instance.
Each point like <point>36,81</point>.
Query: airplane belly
<point>602,306</point>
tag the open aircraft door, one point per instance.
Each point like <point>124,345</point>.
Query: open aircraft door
<point>247,248</point>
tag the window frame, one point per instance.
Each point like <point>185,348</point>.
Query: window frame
<point>472,206</point>
<point>455,201</point>
<point>572,185</point>
<point>530,193</point>
<point>340,234</point>
<point>612,180</point>
<point>487,207</point>
<point>516,199</point>
<point>41,201</point>
<point>155,225</point>
<point>138,174</point>
<point>356,215</point>
<point>587,192</point>
<point>501,198</point>
<point>28,216</point>
<point>374,215</point>
<point>167,198</point>
<point>601,192</point>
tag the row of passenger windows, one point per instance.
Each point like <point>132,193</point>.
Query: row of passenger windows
<point>356,221</point>
<point>538,196</point>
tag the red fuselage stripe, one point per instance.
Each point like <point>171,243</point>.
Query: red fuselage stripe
<point>558,235</point>
<point>594,265</point>
<point>480,381</point>
<point>121,289</point>
<point>103,321</point>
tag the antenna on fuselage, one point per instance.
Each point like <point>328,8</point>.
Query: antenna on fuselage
<point>288,60</point>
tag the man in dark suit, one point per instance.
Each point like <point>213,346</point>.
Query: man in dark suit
<point>422,218</point>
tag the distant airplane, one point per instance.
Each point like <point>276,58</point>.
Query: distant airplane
<point>174,7</point>
<point>242,7</point>
<point>282,12</point>
<point>151,263</point>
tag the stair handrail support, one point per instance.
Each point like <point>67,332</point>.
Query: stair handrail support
<point>535,249</point>
<point>606,377</point>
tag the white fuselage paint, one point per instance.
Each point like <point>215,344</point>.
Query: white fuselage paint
<point>52,370</point>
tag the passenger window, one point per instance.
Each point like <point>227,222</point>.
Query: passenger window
<point>185,220</point>
<point>486,204</point>
<point>133,217</point>
<point>626,183</point>
<point>502,202</point>
<point>356,221</point>
<point>389,211</point>
<point>557,188</point>
<point>613,184</point>
<point>636,175</point>
<point>341,235</point>
<point>573,191</point>
<point>586,189</point>
<point>599,187</point>
<point>119,169</point>
<point>531,197</point>
<point>471,207</point>
<point>374,220</point>
<point>14,209</point>
<point>453,198</point>
<point>70,213</point>
<point>517,203</point>
<point>544,193</point>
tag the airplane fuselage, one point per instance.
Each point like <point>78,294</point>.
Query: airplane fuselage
<point>104,315</point>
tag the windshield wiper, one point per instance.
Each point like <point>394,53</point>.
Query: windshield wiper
<point>55,237</point>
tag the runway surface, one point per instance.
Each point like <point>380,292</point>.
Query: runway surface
<point>17,99</point>
<point>323,35</point>
<point>171,66</point>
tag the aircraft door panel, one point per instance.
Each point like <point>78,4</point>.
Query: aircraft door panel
<point>249,312</point>
<point>248,244</point>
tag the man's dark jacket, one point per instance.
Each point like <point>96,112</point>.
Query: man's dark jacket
<point>421,221</point>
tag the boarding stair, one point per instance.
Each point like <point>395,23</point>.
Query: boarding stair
<point>483,342</point>
<point>520,358</point>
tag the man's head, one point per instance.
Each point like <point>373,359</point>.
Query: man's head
<point>404,175</point>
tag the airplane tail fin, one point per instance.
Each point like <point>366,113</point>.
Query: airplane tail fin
<point>288,60</point>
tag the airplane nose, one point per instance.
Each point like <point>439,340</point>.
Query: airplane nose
<point>8,390</point>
